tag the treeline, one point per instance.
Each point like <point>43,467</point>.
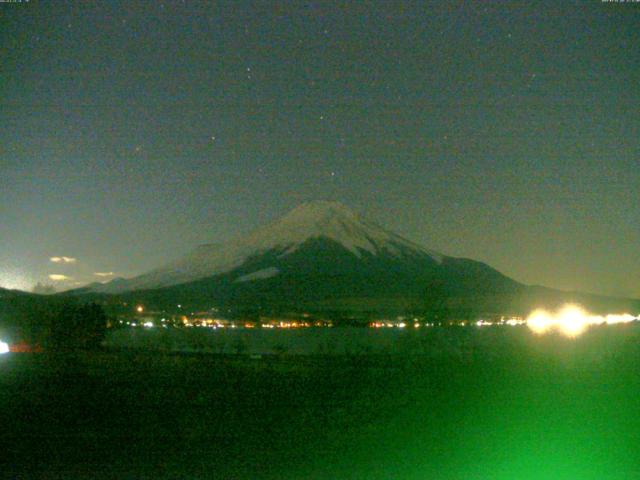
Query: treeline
<point>52,323</point>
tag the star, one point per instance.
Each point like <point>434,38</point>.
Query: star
<point>531,79</point>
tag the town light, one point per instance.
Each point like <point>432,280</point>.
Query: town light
<point>4,348</point>
<point>572,320</point>
<point>540,321</point>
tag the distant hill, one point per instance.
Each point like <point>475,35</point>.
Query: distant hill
<point>7,294</point>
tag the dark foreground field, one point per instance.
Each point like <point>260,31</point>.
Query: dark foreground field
<point>539,408</point>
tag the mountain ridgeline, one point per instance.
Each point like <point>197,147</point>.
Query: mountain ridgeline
<point>322,256</point>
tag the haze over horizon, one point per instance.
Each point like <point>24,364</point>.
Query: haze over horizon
<point>506,133</point>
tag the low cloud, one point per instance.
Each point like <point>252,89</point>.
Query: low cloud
<point>63,259</point>
<point>56,277</point>
<point>104,274</point>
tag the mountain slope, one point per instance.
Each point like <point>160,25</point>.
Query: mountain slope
<point>330,221</point>
<point>322,270</point>
<point>320,253</point>
<point>322,256</point>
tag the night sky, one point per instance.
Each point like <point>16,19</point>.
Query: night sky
<point>504,132</point>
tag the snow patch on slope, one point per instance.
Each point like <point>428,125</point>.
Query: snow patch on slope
<point>259,275</point>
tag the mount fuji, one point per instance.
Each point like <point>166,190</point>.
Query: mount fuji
<point>318,252</point>
<point>323,257</point>
<point>308,225</point>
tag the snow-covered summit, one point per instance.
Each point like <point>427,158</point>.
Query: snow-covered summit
<point>313,220</point>
<point>334,221</point>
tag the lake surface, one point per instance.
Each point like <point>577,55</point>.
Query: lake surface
<point>429,341</point>
<point>494,404</point>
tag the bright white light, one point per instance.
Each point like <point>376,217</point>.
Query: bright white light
<point>572,320</point>
<point>540,321</point>
<point>624,318</point>
<point>4,348</point>
<point>483,323</point>
<point>148,324</point>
